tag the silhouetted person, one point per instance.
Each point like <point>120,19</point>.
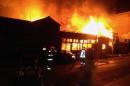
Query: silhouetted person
<point>88,74</point>
<point>90,67</point>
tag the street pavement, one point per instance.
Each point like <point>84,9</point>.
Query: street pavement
<point>114,71</point>
<point>123,81</point>
<point>108,72</point>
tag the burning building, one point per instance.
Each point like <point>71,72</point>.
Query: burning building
<point>121,25</point>
<point>20,36</point>
<point>121,28</point>
<point>82,17</point>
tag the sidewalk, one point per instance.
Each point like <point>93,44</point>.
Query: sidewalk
<point>73,69</point>
<point>123,81</point>
<point>109,60</point>
<point>98,62</point>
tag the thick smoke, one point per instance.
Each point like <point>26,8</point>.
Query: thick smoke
<point>17,8</point>
<point>60,10</point>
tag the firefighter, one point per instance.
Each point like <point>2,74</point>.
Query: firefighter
<point>83,56</point>
<point>50,58</point>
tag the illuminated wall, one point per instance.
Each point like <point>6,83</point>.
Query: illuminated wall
<point>121,25</point>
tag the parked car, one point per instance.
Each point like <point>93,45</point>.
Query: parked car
<point>65,57</point>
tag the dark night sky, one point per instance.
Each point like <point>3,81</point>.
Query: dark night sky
<point>123,5</point>
<point>117,5</point>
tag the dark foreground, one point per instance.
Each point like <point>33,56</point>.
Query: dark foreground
<point>112,72</point>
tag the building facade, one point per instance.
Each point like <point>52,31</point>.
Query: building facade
<point>25,37</point>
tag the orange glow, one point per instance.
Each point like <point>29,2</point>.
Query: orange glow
<point>33,13</point>
<point>66,46</point>
<point>74,46</point>
<point>110,43</point>
<point>89,25</point>
<point>93,25</point>
<point>103,46</point>
<point>30,10</point>
<point>72,15</point>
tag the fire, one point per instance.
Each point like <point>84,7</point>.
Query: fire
<point>73,15</point>
<point>99,27</point>
<point>72,18</point>
<point>33,13</point>
<point>92,25</point>
<point>30,10</point>
<point>89,25</point>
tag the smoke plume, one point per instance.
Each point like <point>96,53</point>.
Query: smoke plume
<point>60,10</point>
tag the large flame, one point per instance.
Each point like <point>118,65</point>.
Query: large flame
<point>73,15</point>
<point>92,25</point>
<point>33,14</point>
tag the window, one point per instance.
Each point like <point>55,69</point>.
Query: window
<point>81,41</point>
<point>69,40</point>
<point>74,46</point>
<point>92,41</point>
<point>63,40</point>
<point>66,46</point>
<point>89,45</point>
